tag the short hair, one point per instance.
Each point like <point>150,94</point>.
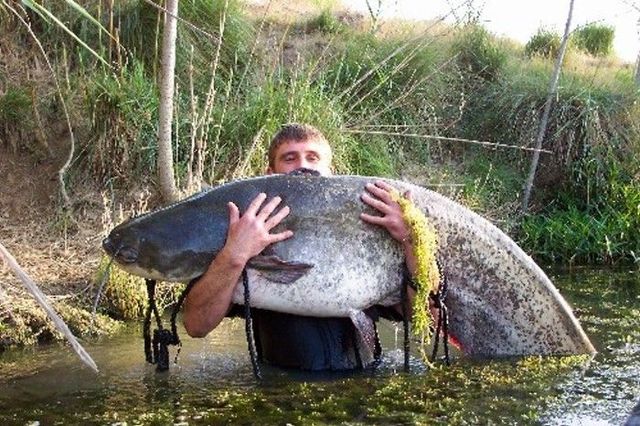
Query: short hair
<point>293,132</point>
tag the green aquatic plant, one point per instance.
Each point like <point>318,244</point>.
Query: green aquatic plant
<point>125,295</point>
<point>424,241</point>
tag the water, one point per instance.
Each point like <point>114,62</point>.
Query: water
<point>213,382</point>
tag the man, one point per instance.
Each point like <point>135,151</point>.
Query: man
<point>282,339</point>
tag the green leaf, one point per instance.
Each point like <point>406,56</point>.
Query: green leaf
<point>33,6</point>
<point>47,15</point>
<point>87,15</point>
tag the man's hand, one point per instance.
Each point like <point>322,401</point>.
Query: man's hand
<point>210,298</point>
<point>249,234</point>
<point>394,223</point>
<point>391,218</point>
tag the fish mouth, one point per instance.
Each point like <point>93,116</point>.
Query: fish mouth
<point>122,254</point>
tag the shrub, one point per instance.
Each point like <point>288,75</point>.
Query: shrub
<point>123,111</point>
<point>545,43</point>
<point>141,33</point>
<point>594,39</point>
<point>478,53</point>
<point>608,232</point>
<point>325,22</point>
<point>15,116</point>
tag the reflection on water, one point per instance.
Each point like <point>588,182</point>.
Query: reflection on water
<point>213,381</point>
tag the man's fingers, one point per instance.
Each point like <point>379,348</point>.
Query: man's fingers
<point>280,236</point>
<point>234,213</point>
<point>384,185</point>
<point>375,220</point>
<point>268,208</point>
<point>381,190</point>
<point>375,203</point>
<point>256,203</point>
<point>277,218</point>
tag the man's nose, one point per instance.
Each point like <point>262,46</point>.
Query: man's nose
<point>305,164</point>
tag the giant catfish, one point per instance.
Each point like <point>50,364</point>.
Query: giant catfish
<point>500,302</point>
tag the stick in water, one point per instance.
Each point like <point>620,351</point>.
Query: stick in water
<point>42,300</point>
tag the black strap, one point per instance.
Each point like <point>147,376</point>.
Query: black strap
<point>404,300</point>
<point>146,326</point>
<point>438,299</point>
<point>249,326</point>
<point>156,349</point>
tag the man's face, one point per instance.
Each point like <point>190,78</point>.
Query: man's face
<point>314,154</point>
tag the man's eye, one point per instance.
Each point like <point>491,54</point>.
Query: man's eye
<point>289,158</point>
<point>313,158</point>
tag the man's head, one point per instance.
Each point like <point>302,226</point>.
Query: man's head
<point>299,145</point>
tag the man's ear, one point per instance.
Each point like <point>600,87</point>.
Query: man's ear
<point>269,170</point>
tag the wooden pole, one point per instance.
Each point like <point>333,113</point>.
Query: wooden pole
<point>51,313</point>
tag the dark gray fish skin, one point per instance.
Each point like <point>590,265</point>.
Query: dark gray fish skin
<point>634,417</point>
<point>500,302</point>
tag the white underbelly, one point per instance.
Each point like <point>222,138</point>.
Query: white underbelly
<point>322,295</point>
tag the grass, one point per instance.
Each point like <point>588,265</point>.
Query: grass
<point>123,116</point>
<point>605,234</point>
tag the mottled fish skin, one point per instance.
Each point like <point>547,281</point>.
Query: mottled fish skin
<point>500,302</point>
<point>634,417</point>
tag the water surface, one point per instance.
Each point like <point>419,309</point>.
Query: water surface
<point>213,381</point>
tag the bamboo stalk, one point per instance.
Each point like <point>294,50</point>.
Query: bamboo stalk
<point>51,313</point>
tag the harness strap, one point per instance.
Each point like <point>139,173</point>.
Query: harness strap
<point>404,300</point>
<point>157,349</point>
<point>146,326</point>
<point>251,342</point>
<point>442,326</point>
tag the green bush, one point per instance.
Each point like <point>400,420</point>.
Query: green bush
<point>590,130</point>
<point>15,105</point>
<point>123,110</point>
<point>594,39</point>
<point>16,118</point>
<point>544,43</point>
<point>325,22</point>
<point>141,33</point>
<point>604,234</point>
<point>478,53</point>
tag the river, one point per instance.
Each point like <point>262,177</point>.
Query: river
<point>213,382</point>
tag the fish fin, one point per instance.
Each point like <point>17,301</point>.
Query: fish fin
<point>277,270</point>
<point>366,336</point>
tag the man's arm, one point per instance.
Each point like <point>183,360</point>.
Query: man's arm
<point>210,297</point>
<point>394,223</point>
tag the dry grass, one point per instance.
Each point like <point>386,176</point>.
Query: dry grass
<point>61,256</point>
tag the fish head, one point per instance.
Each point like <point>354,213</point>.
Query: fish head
<point>174,244</point>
